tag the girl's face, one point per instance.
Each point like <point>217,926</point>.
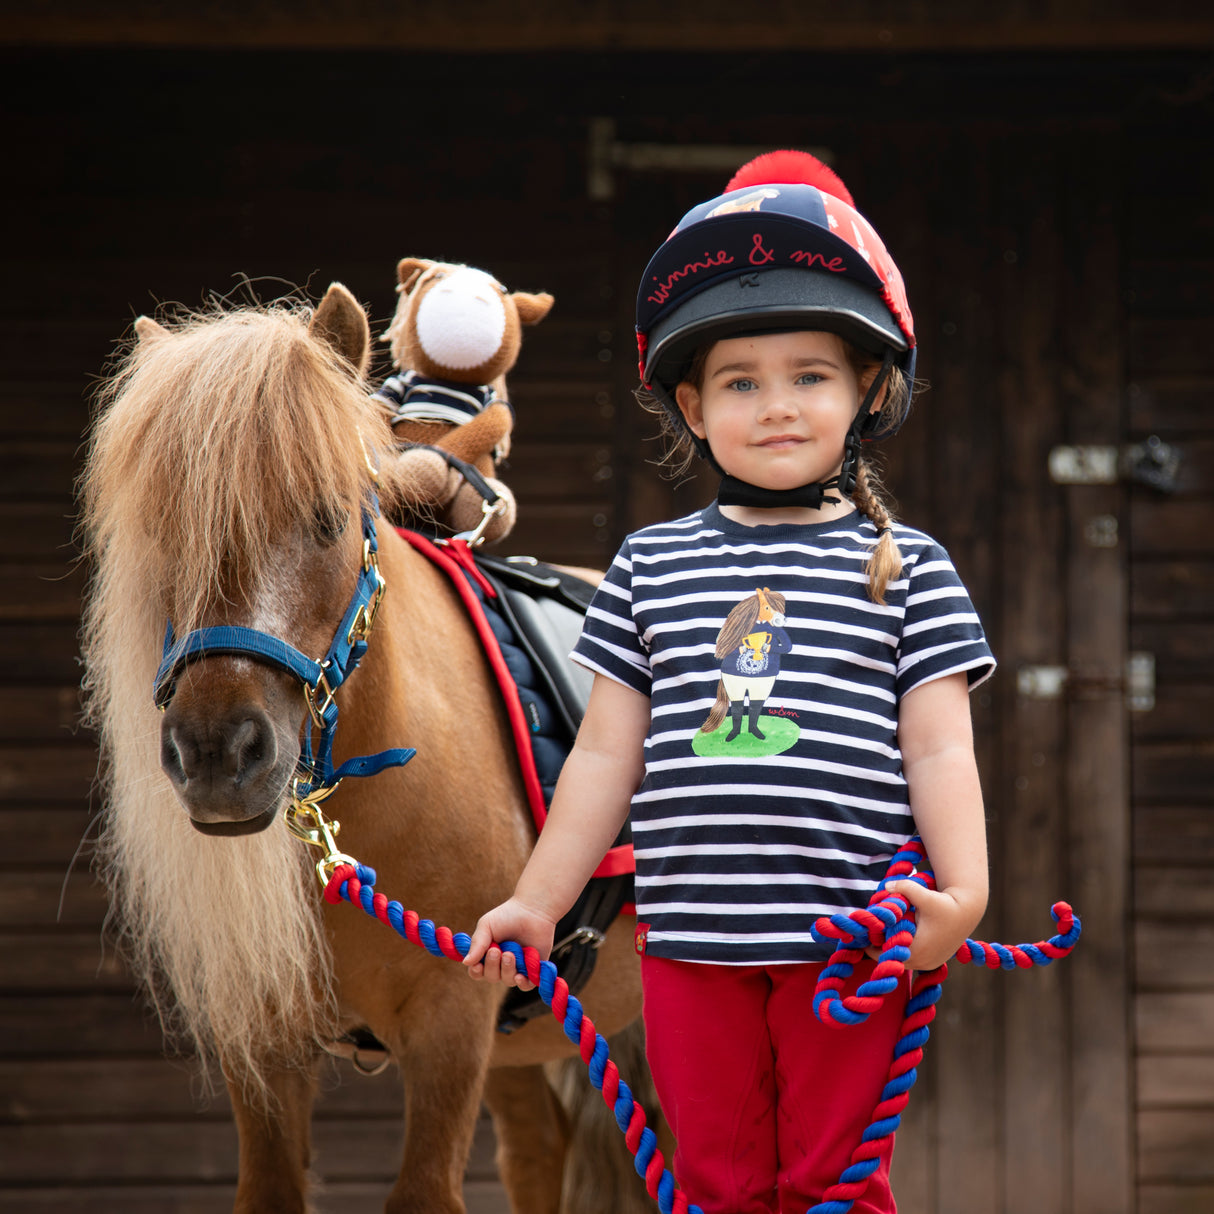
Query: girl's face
<point>775,409</point>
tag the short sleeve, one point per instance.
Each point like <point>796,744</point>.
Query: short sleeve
<point>610,644</point>
<point>941,632</point>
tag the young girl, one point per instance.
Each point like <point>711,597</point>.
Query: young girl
<point>780,697</point>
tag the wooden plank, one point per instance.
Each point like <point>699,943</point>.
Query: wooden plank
<point>1101,1134</point>
<point>337,1197</point>
<point>145,1199</point>
<point>1183,648</point>
<point>1028,235</point>
<point>1181,710</point>
<point>556,410</point>
<point>40,714</point>
<point>1175,1199</point>
<point>1169,345</point>
<point>566,472</point>
<point>140,1089</point>
<point>31,592</point>
<point>37,652</point>
<point>1173,406</point>
<point>1180,772</point>
<point>1174,957</point>
<point>38,468</point>
<point>77,1025</point>
<point>1176,1080</point>
<point>47,773</point>
<point>1173,892</point>
<point>1173,835</point>
<point>35,531</point>
<point>1171,527</point>
<point>1167,286</point>
<point>34,898</point>
<point>578,536</point>
<point>1171,589</point>
<point>627,25</point>
<point>196,1148</point>
<point>43,409</point>
<point>59,961</point>
<point>1174,1021</point>
<point>1174,1145</point>
<point>50,834</point>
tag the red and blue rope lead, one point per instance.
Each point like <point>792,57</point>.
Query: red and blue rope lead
<point>355,884</point>
<point>887,923</point>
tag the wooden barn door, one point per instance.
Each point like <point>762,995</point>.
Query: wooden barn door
<point>1065,815</point>
<point>1010,249</point>
<point>1170,367</point>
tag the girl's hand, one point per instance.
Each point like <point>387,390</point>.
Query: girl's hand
<point>944,919</point>
<point>512,920</point>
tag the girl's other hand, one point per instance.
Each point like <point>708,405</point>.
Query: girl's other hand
<point>512,920</point>
<point>943,921</point>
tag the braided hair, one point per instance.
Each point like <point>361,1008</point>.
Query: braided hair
<point>885,564</point>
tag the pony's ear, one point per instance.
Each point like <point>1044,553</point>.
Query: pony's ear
<point>340,321</point>
<point>147,330</point>
<point>410,269</point>
<point>532,308</point>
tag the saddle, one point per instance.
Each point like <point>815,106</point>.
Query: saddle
<point>529,616</point>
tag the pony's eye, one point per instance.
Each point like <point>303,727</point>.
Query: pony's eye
<point>328,525</point>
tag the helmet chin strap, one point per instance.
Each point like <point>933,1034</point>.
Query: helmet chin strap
<point>735,492</point>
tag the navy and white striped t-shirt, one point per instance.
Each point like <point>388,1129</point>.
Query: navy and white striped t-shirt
<point>792,805</point>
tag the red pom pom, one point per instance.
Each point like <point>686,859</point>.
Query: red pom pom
<point>790,168</point>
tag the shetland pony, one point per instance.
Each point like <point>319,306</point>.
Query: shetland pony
<point>224,484</point>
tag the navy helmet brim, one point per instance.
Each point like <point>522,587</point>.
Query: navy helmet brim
<point>770,301</point>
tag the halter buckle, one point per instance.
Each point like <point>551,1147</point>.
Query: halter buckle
<point>317,707</point>
<point>364,617</point>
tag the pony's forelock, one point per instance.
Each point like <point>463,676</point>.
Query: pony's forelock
<point>193,455</point>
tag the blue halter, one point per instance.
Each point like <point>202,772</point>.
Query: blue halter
<point>321,680</point>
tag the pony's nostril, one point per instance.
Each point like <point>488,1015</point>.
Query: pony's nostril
<point>170,758</point>
<point>250,748</point>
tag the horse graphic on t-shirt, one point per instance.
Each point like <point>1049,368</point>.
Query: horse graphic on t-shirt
<point>748,647</point>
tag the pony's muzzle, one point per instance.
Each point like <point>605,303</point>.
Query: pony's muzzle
<point>223,768</point>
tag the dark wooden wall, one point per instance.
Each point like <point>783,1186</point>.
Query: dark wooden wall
<point>1170,370</point>
<point>1046,212</point>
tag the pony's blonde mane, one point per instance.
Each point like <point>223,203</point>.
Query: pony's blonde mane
<point>218,435</point>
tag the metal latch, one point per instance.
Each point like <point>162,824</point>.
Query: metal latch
<point>1137,684</point>
<point>1151,462</point>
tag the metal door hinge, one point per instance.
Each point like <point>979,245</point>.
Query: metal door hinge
<point>1151,462</point>
<point>1137,683</point>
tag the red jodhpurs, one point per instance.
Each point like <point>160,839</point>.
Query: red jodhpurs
<point>766,1103</point>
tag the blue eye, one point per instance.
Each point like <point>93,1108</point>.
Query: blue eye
<point>743,385</point>
<point>809,378</point>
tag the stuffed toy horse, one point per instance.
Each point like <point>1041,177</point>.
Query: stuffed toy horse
<point>455,335</point>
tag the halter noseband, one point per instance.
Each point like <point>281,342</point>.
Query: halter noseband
<point>321,680</point>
